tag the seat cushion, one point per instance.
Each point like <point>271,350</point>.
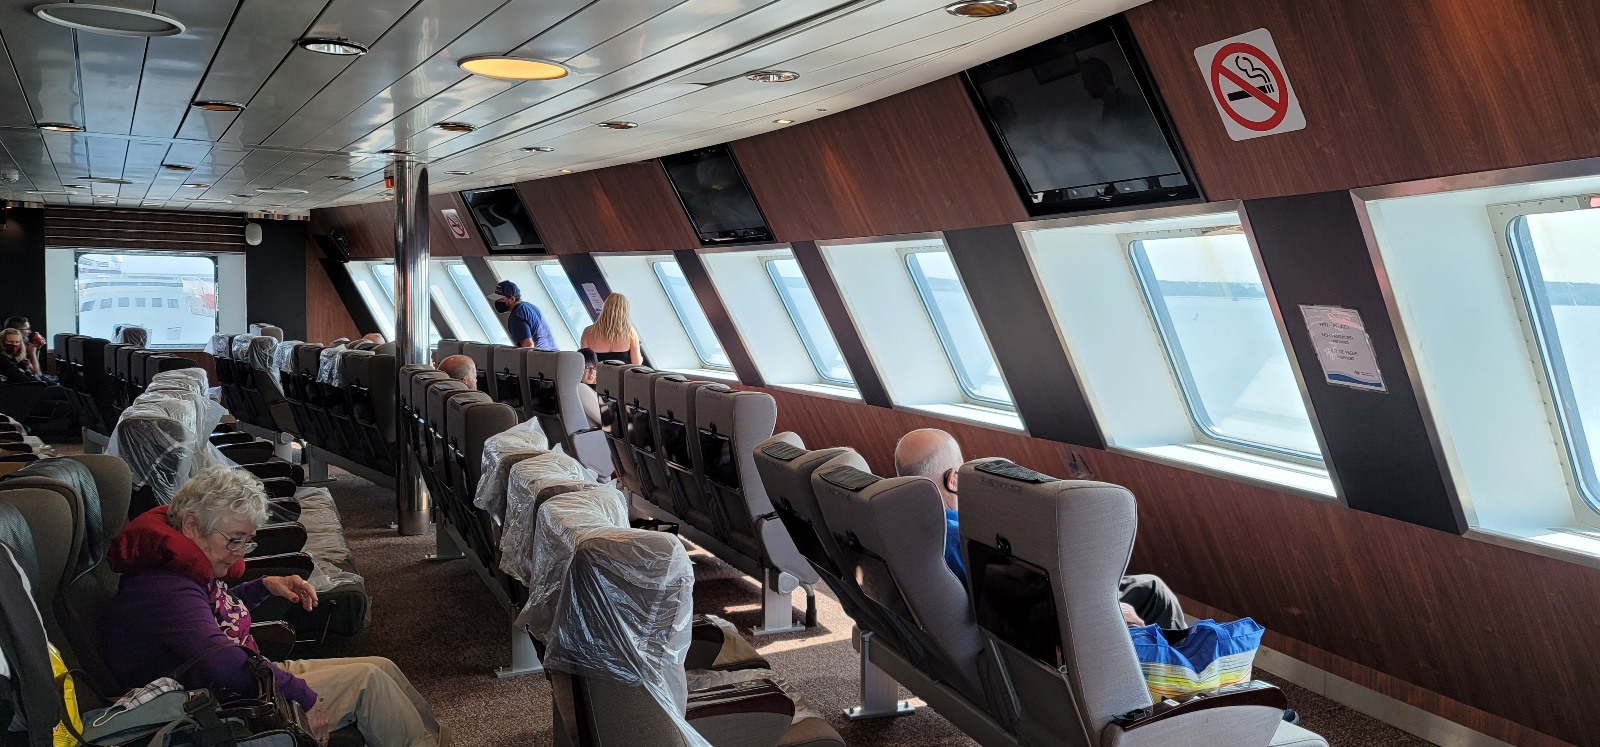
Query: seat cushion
<point>1289,735</point>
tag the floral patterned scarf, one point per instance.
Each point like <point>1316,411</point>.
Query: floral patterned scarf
<point>232,616</point>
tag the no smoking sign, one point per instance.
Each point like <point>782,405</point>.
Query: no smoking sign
<point>1248,84</point>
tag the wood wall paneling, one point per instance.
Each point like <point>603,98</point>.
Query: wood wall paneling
<point>627,208</point>
<point>1503,631</point>
<point>1392,91</point>
<point>914,162</point>
<point>443,243</point>
<point>143,229</point>
<point>368,228</point>
<point>326,316</point>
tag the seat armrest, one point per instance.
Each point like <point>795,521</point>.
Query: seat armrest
<point>275,639</point>
<point>231,437</point>
<point>279,487</point>
<point>715,643</point>
<point>592,451</point>
<point>279,539</point>
<point>269,470</point>
<point>288,564</point>
<point>1246,713</point>
<point>747,714</point>
<point>283,511</point>
<point>250,453</point>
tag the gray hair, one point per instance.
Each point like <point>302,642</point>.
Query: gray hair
<point>213,493</point>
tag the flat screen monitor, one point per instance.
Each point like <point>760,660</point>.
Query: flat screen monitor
<point>1080,124</point>
<point>502,221</point>
<point>714,194</point>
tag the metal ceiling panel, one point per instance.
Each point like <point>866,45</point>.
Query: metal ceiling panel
<point>262,34</point>
<point>175,65</point>
<point>44,56</point>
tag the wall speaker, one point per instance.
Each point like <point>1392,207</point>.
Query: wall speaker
<point>252,234</point>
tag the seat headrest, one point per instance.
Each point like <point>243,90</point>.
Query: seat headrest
<point>563,522</point>
<point>329,369</point>
<point>500,452</point>
<point>131,334</point>
<point>283,356</point>
<point>71,475</point>
<point>15,534</point>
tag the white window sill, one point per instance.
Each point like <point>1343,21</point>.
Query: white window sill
<point>1270,473</point>
<point>986,416</point>
<point>1574,544</point>
<point>822,390</point>
<point>705,373</point>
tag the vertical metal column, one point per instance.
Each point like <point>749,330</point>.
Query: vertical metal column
<point>411,321</point>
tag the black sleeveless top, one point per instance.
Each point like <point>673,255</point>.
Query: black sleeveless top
<point>620,356</point>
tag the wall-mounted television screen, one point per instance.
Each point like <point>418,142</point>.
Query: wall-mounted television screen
<point>713,192</point>
<point>502,221</point>
<point>1080,124</point>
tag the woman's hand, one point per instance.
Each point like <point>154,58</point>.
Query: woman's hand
<point>292,588</point>
<point>319,723</point>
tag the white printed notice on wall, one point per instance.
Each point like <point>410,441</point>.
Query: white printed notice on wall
<point>1250,87</point>
<point>1343,348</point>
<point>595,301</point>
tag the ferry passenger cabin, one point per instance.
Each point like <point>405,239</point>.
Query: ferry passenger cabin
<point>782,372</point>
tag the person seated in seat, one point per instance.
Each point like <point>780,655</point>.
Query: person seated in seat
<point>16,368</point>
<point>374,338</point>
<point>934,454</point>
<point>174,606</point>
<point>586,392</point>
<point>462,369</point>
<point>32,342</point>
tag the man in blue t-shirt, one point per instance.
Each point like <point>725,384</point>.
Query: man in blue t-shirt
<point>934,454</point>
<point>526,325</point>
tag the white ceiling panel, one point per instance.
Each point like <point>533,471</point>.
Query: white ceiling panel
<point>674,66</point>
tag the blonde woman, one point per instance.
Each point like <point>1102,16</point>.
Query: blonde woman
<point>612,336</point>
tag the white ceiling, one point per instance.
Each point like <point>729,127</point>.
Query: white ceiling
<point>673,66</point>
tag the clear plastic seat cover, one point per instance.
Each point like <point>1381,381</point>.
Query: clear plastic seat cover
<point>624,616</point>
<point>500,451</point>
<point>130,334</point>
<point>527,478</point>
<point>259,353</point>
<point>155,436</point>
<point>329,365</point>
<point>564,521</point>
<point>218,346</point>
<point>283,356</point>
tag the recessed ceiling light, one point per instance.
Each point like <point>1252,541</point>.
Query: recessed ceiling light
<point>980,8</point>
<point>243,196</point>
<point>282,191</point>
<point>566,171</point>
<point>783,121</point>
<point>619,125</point>
<point>59,127</point>
<point>105,180</point>
<point>176,167</point>
<point>47,192</point>
<point>207,199</point>
<point>218,106</point>
<point>341,178</point>
<point>277,205</point>
<point>73,186</point>
<point>540,149</point>
<point>772,76</point>
<point>105,19</point>
<point>197,185</point>
<point>395,152</point>
<point>152,204</point>
<point>455,126</point>
<point>513,68</point>
<point>338,46</point>
<point>459,173</point>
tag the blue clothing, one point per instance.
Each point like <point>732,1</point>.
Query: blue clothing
<point>952,544</point>
<point>526,323</point>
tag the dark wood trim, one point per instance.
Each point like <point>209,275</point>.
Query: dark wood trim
<point>721,321</point>
<point>831,301</point>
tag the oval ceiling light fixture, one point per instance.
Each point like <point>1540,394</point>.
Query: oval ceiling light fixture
<point>197,185</point>
<point>335,46</point>
<point>455,126</point>
<point>505,67</point>
<point>73,186</point>
<point>104,180</point>
<point>783,121</point>
<point>980,8</point>
<point>176,167</point>
<point>566,171</point>
<point>59,127</point>
<point>243,196</point>
<point>283,191</point>
<point>218,106</point>
<point>340,178</point>
<point>618,125</point>
<point>395,152</point>
<point>772,76</point>
<point>106,19</point>
<point>539,149</point>
<point>459,173</point>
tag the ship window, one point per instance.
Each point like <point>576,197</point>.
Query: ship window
<point>808,320</point>
<point>1211,309</point>
<point>706,345</point>
<point>556,283</point>
<point>956,323</point>
<point>103,276</point>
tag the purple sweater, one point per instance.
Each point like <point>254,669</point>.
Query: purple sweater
<point>160,619</point>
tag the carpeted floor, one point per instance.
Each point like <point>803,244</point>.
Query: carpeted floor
<point>442,626</point>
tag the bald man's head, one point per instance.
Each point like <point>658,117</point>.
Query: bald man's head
<point>462,369</point>
<point>930,453</point>
<point>373,337</point>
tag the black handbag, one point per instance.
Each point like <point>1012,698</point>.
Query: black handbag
<point>270,710</point>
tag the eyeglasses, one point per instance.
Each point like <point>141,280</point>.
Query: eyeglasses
<point>237,544</point>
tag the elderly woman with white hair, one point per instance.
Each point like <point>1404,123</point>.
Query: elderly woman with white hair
<point>174,605</point>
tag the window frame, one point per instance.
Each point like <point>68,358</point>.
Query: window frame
<point>550,287</point>
<point>470,297</point>
<point>942,331</point>
<point>767,263</point>
<point>106,303</point>
<point>677,308</point>
<point>1538,326</point>
<point>1160,319</point>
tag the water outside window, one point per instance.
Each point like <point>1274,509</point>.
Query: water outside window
<point>1211,307</point>
<point>173,295</point>
<point>1558,264</point>
<point>808,320</point>
<point>957,325</point>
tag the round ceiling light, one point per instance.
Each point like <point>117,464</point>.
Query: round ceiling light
<point>455,126</point>
<point>513,68</point>
<point>73,186</point>
<point>566,171</point>
<point>59,127</point>
<point>980,8</point>
<point>340,178</point>
<point>459,173</point>
<point>176,167</point>
<point>783,121</point>
<point>283,191</point>
<point>395,152</point>
<point>243,196</point>
<point>218,106</point>
<point>197,185</point>
<point>619,125</point>
<point>339,46</point>
<point>539,149</point>
<point>772,76</point>
<point>106,19</point>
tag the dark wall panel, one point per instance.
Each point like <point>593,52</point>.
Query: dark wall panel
<point>1378,445</point>
<point>915,162</point>
<point>368,228</point>
<point>156,230</point>
<point>627,208</point>
<point>1392,91</point>
<point>994,268</point>
<point>277,278</point>
<point>22,255</point>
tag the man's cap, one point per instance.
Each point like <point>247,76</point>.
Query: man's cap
<point>506,289</point>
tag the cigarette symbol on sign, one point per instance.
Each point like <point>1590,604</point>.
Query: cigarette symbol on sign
<point>1251,71</point>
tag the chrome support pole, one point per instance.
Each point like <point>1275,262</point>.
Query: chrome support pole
<point>411,321</point>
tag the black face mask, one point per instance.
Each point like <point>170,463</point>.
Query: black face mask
<point>501,306</point>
